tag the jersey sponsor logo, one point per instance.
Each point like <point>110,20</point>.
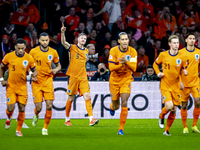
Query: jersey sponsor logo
<point>110,57</point>
<point>196,56</point>
<point>25,63</point>
<point>8,99</point>
<point>50,57</point>
<point>128,57</point>
<point>178,61</point>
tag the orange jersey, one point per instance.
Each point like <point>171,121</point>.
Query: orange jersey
<point>18,66</point>
<point>78,57</point>
<point>171,65</point>
<point>43,60</point>
<point>122,73</point>
<point>192,61</point>
<point>188,23</point>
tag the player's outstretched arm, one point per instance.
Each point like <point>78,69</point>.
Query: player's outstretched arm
<point>63,40</point>
<point>58,68</point>
<point>3,82</point>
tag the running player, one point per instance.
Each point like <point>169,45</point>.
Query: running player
<point>18,63</point>
<point>172,63</point>
<point>122,63</point>
<point>43,56</point>
<point>76,72</point>
<point>191,83</point>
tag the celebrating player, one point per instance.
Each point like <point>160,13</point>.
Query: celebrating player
<point>43,56</point>
<point>172,63</point>
<point>18,63</point>
<point>77,76</point>
<point>122,63</point>
<point>191,83</point>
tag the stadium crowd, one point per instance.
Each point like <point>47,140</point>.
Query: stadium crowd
<point>148,24</point>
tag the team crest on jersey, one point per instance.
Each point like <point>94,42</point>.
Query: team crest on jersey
<point>178,61</point>
<point>25,63</point>
<point>128,57</point>
<point>196,56</point>
<point>69,91</point>
<point>50,57</point>
<point>8,99</point>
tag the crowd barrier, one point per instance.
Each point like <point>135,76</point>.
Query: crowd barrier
<point>144,102</point>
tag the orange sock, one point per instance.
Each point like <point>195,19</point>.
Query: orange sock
<point>163,113</point>
<point>170,121</point>
<point>88,105</point>
<point>195,115</point>
<point>184,117</point>
<point>47,118</point>
<point>123,116</point>
<point>20,120</point>
<point>9,114</point>
<point>36,112</point>
<point>111,106</point>
<point>68,107</point>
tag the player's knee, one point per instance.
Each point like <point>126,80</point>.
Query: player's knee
<point>49,106</point>
<point>87,96</point>
<point>10,108</point>
<point>169,107</point>
<point>116,106</point>
<point>71,97</point>
<point>197,103</point>
<point>38,109</point>
<point>184,106</point>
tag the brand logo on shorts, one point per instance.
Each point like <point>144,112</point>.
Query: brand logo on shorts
<point>86,54</point>
<point>178,61</point>
<point>33,98</point>
<point>69,91</point>
<point>50,57</point>
<point>128,57</point>
<point>8,99</point>
<point>163,97</point>
<point>111,95</point>
<point>25,63</point>
<point>197,56</point>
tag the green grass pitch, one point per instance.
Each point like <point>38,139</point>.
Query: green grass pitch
<point>140,134</point>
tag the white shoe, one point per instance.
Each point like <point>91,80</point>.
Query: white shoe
<point>24,125</point>
<point>44,131</point>
<point>18,133</point>
<point>161,123</point>
<point>166,133</point>
<point>7,124</point>
<point>35,119</point>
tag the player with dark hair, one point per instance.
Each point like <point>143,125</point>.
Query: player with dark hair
<point>122,63</point>
<point>18,63</point>
<point>43,56</point>
<point>76,72</point>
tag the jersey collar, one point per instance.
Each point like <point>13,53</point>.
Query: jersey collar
<point>80,48</point>
<point>121,50</point>
<point>43,50</point>
<point>173,55</point>
<point>188,50</point>
<point>18,55</point>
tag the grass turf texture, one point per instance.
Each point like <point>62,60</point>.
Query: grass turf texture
<point>139,134</point>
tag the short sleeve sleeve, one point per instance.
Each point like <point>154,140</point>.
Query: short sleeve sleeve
<point>112,57</point>
<point>159,59</point>
<point>31,62</point>
<point>5,60</point>
<point>56,58</point>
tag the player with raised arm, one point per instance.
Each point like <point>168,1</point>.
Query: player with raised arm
<point>18,63</point>
<point>43,56</point>
<point>172,64</point>
<point>191,83</point>
<point>76,72</point>
<point>122,63</point>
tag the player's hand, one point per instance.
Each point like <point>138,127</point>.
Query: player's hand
<point>185,72</point>
<point>4,83</point>
<point>181,86</point>
<point>122,60</point>
<point>53,71</point>
<point>160,75</point>
<point>63,28</point>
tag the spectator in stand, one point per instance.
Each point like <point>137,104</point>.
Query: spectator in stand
<point>142,60</point>
<point>193,16</point>
<point>28,44</point>
<point>181,40</point>
<point>34,40</point>
<point>187,21</point>
<point>92,36</point>
<point>153,49</point>
<point>197,7</point>
<point>133,43</point>
<point>114,11</point>
<point>92,62</point>
<point>92,4</point>
<point>175,9</point>
<point>68,4</point>
<point>101,74</point>
<point>9,29</point>
<point>75,5</point>
<point>101,31</point>
<point>107,41</point>
<point>197,37</point>
<point>123,5</point>
<point>29,29</point>
<point>5,46</point>
<point>14,4</point>
<point>89,20</point>
<point>189,7</point>
<point>150,75</point>
<point>82,13</point>
<point>118,27</point>
<point>31,10</point>
<point>13,40</point>
<point>113,43</point>
<point>184,32</point>
<point>104,57</point>
<point>72,20</point>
